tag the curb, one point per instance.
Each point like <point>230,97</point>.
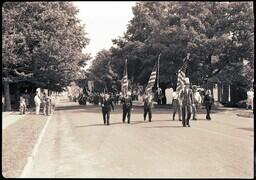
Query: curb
<point>30,160</point>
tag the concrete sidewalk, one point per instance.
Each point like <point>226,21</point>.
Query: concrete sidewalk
<point>11,117</point>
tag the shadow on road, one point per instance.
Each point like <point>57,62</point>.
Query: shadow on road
<point>247,129</point>
<point>90,125</point>
<point>163,126</point>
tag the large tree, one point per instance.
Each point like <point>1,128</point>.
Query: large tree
<point>42,44</point>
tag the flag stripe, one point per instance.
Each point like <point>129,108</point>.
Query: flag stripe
<point>152,79</point>
<point>181,76</point>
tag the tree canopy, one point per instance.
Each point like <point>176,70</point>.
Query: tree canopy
<point>204,29</point>
<point>42,44</point>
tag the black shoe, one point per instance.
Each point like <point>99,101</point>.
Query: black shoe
<point>149,120</point>
<point>188,125</point>
<point>128,122</point>
<point>179,119</point>
<point>195,118</point>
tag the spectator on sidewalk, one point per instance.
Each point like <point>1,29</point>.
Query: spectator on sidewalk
<point>46,104</point>
<point>23,106</point>
<point>37,102</point>
<point>3,103</point>
<point>250,98</point>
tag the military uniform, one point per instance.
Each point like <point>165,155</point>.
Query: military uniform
<point>127,106</point>
<point>186,99</point>
<point>147,107</point>
<point>106,104</point>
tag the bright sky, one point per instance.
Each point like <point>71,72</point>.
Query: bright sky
<point>104,21</point>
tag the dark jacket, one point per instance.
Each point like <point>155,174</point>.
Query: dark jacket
<point>127,102</point>
<point>208,100</point>
<point>106,104</point>
<point>186,98</point>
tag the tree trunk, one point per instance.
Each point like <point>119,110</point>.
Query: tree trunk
<point>7,96</point>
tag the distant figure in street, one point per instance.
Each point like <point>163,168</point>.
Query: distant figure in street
<point>106,104</point>
<point>250,98</point>
<point>197,100</point>
<point>208,102</point>
<point>186,100</point>
<point>147,106</point>
<point>127,106</point>
<point>176,106</point>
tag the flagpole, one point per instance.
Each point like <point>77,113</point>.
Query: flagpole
<point>158,70</point>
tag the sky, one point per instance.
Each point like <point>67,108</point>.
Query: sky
<point>104,21</point>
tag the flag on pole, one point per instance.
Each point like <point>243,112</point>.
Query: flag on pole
<point>152,79</point>
<point>125,80</point>
<point>182,76</point>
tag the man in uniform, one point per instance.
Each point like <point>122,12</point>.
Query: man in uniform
<point>147,106</point>
<point>106,104</point>
<point>186,100</point>
<point>127,106</point>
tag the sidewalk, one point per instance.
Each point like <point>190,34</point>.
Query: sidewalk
<point>11,117</point>
<point>20,134</point>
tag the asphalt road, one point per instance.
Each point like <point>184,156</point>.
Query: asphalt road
<point>77,144</point>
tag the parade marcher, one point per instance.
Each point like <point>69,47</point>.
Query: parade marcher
<point>106,104</point>
<point>176,106</point>
<point>186,101</point>
<point>147,106</point>
<point>197,100</point>
<point>127,106</point>
<point>250,99</point>
<point>37,102</point>
<point>208,101</point>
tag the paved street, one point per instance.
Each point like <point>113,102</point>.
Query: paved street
<point>77,144</point>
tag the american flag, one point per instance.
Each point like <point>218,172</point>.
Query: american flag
<point>125,79</point>
<point>181,76</point>
<point>152,79</point>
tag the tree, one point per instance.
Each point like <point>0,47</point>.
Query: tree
<point>42,43</point>
<point>203,29</point>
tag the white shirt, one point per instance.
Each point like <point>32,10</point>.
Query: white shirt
<point>197,97</point>
<point>250,94</point>
<point>37,99</point>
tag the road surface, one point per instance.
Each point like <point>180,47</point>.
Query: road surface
<point>77,144</point>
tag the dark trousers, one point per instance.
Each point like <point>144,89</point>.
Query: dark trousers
<point>106,115</point>
<point>147,111</point>
<point>208,111</point>
<point>126,112</point>
<point>186,113</point>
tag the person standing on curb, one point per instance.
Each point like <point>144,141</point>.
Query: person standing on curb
<point>106,104</point>
<point>127,106</point>
<point>37,102</point>
<point>208,102</point>
<point>250,98</point>
<point>147,106</point>
<point>176,106</point>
